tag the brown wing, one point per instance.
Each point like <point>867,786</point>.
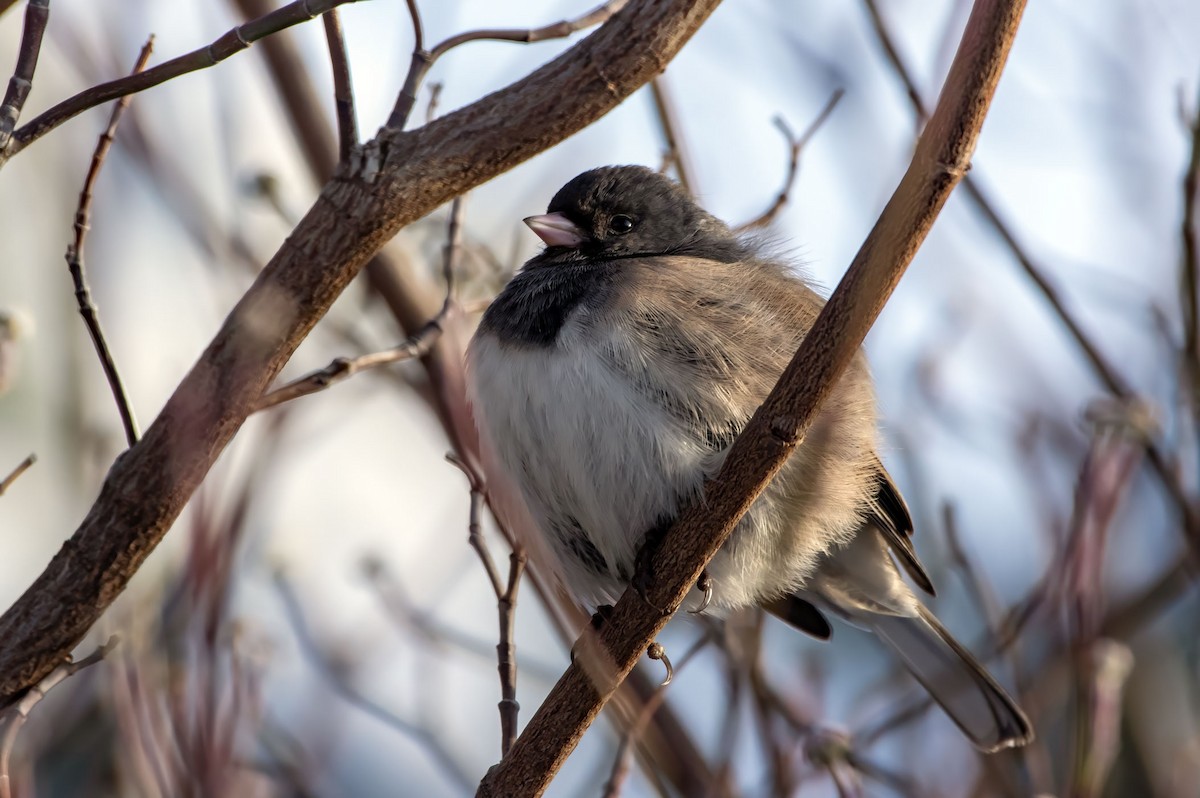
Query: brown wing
<point>891,516</point>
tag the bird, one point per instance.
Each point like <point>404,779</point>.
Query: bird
<point>612,374</point>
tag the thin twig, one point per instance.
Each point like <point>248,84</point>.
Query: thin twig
<point>506,602</point>
<point>21,468</point>
<point>795,147</point>
<point>343,687</point>
<point>419,345</point>
<point>37,14</point>
<point>16,715</point>
<point>231,43</point>
<point>668,125</point>
<point>343,88</point>
<point>423,59</point>
<point>343,368</point>
<point>83,294</point>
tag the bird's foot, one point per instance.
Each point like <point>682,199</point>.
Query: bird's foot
<point>643,564</point>
<point>704,583</point>
<point>654,651</point>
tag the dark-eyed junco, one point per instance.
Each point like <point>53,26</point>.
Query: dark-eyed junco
<point>611,376</point>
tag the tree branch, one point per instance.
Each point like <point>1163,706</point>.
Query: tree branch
<point>399,178</point>
<point>233,42</point>
<point>13,475</point>
<point>83,294</point>
<point>941,159</point>
<point>37,14</point>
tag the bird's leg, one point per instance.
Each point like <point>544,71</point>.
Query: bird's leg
<point>654,651</point>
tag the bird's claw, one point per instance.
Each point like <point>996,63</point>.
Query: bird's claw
<point>704,583</point>
<point>657,652</point>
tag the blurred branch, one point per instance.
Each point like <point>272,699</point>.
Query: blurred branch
<point>334,674</point>
<point>795,146</point>
<point>403,177</point>
<point>14,717</point>
<point>1102,669</point>
<point>233,42</point>
<point>83,294</point>
<point>1189,266</point>
<point>668,124</point>
<point>7,4</point>
<point>1106,372</point>
<point>15,474</point>
<point>37,14</point>
<point>343,89</point>
<point>423,59</point>
<point>942,157</point>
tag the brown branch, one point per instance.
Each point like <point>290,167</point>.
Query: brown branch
<point>83,294</point>
<point>402,177</point>
<point>1104,370</point>
<point>668,125</point>
<point>15,474</point>
<point>233,42</point>
<point>37,14</point>
<point>423,59</point>
<point>343,88</point>
<point>795,147</point>
<point>6,4</point>
<point>506,604</point>
<point>941,159</point>
<point>16,715</point>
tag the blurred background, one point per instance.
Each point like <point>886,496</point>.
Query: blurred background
<point>316,622</point>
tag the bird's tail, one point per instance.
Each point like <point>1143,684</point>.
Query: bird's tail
<point>954,678</point>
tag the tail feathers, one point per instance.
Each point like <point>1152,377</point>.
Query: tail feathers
<point>968,694</point>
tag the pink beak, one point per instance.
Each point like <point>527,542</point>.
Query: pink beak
<point>556,230</point>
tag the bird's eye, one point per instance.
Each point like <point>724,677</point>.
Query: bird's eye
<point>621,223</point>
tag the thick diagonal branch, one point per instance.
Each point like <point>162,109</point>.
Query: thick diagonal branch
<point>941,159</point>
<point>400,178</point>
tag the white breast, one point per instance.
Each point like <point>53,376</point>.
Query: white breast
<point>582,445</point>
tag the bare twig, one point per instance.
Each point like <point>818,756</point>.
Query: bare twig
<point>941,159</point>
<point>418,345</point>
<point>13,475</point>
<point>343,368</point>
<point>795,147</point>
<point>14,717</point>
<point>343,89</point>
<point>423,59</point>
<point>233,42</point>
<point>506,602</point>
<point>83,294</point>
<point>668,125</point>
<point>37,14</point>
<point>314,652</point>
